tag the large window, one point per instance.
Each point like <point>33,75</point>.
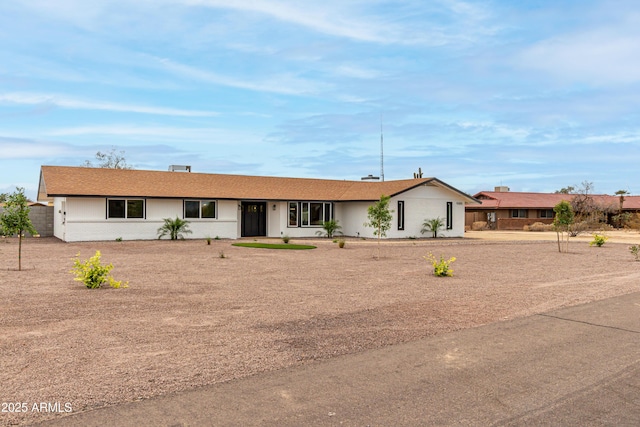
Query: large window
<point>125,208</point>
<point>199,209</point>
<point>309,214</point>
<point>400,214</point>
<point>449,215</point>
<point>518,213</point>
<point>546,213</point>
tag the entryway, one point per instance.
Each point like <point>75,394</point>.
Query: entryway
<point>254,219</point>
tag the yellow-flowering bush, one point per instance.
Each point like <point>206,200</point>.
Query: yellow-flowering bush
<point>441,268</point>
<point>93,274</point>
<point>598,240</point>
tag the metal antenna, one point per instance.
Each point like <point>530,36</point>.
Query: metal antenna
<point>381,151</point>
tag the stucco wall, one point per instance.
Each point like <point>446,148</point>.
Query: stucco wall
<point>85,220</point>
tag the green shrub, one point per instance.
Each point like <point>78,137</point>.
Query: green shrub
<point>635,250</point>
<point>329,229</point>
<point>441,268</point>
<point>93,274</point>
<point>285,238</point>
<point>432,226</point>
<point>175,228</point>
<point>598,240</point>
<point>341,243</point>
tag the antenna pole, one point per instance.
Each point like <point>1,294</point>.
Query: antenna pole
<point>381,151</point>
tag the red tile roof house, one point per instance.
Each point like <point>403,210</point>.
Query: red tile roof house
<point>506,210</point>
<point>92,204</point>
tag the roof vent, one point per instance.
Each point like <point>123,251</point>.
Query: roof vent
<point>179,168</point>
<point>370,178</point>
<point>502,189</point>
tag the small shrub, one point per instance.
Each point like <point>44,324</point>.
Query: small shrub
<point>208,239</point>
<point>538,226</point>
<point>329,229</point>
<point>479,225</point>
<point>118,239</point>
<point>441,268</point>
<point>285,239</point>
<point>222,255</point>
<point>175,228</point>
<point>598,240</point>
<point>432,226</point>
<point>93,274</point>
<point>341,243</point>
<point>217,237</point>
<point>635,251</point>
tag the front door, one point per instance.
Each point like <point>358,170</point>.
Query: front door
<point>254,219</point>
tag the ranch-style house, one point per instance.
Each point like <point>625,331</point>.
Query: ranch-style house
<point>92,204</point>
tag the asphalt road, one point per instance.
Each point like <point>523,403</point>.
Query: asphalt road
<point>572,367</point>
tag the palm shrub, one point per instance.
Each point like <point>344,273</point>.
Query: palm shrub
<point>330,228</point>
<point>175,228</point>
<point>432,226</point>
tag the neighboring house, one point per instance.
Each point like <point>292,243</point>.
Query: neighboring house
<point>506,210</point>
<point>105,204</point>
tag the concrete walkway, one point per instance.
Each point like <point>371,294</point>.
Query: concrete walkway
<point>577,366</point>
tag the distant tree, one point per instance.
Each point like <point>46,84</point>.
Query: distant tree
<point>4,197</point>
<point>379,217</point>
<point>562,222</point>
<point>432,226</point>
<point>110,160</point>
<point>175,228</point>
<point>587,209</point>
<point>566,190</point>
<point>14,219</point>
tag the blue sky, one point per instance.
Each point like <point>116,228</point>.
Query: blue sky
<point>535,95</point>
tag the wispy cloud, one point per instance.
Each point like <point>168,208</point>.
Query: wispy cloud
<point>66,102</point>
<point>286,83</point>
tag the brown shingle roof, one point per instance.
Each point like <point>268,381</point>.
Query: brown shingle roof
<point>82,181</point>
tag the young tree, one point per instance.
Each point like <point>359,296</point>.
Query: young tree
<point>15,219</point>
<point>432,226</point>
<point>110,160</point>
<point>562,222</point>
<point>379,217</point>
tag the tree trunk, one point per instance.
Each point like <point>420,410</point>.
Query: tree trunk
<point>558,236</point>
<point>20,250</point>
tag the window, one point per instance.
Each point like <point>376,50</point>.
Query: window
<point>293,214</point>
<point>125,208</point>
<point>400,214</point>
<point>313,214</point>
<point>546,213</point>
<point>518,213</point>
<point>199,209</point>
<point>449,215</point>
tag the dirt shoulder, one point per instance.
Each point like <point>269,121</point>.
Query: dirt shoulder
<point>191,317</point>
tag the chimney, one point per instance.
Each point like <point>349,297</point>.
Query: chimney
<point>181,168</point>
<point>502,189</point>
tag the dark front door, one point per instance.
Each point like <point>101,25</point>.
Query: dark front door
<point>254,219</point>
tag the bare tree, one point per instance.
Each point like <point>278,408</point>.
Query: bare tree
<point>110,160</point>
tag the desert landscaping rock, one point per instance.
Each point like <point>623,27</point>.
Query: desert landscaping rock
<point>191,318</point>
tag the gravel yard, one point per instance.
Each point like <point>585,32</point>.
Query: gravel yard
<point>191,318</point>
